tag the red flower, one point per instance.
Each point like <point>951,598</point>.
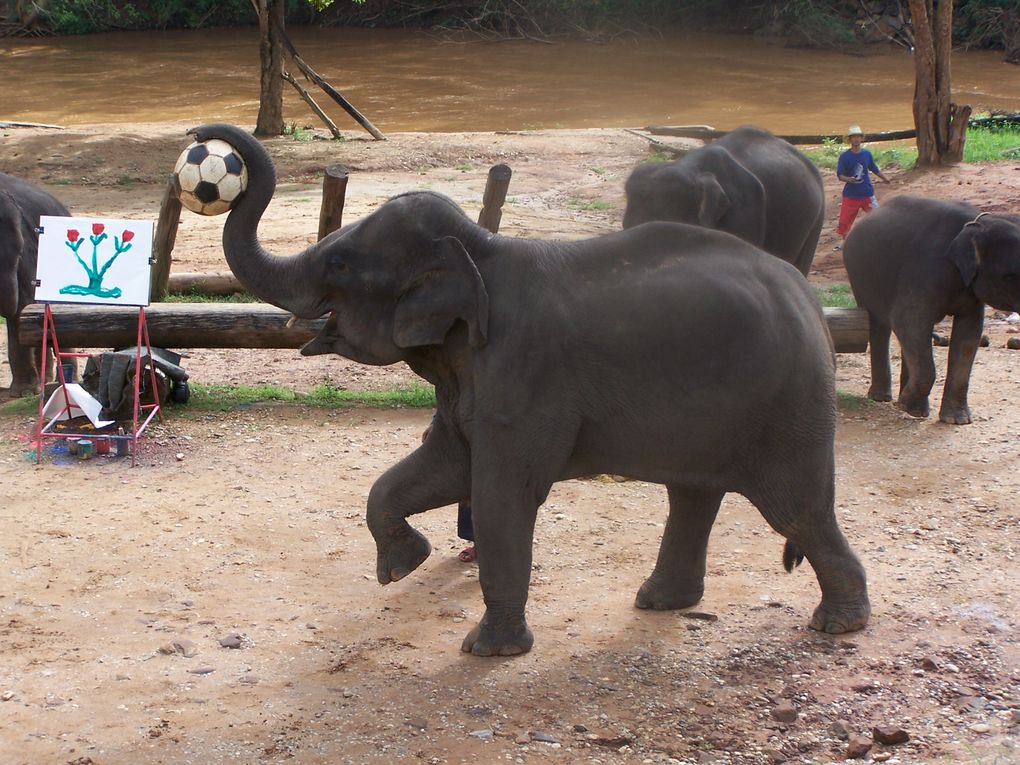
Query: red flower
<point>127,236</point>
<point>72,235</point>
<point>97,229</point>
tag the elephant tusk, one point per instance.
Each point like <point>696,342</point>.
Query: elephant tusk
<point>292,321</point>
<point>977,219</point>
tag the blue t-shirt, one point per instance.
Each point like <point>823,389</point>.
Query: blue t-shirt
<point>858,166</point>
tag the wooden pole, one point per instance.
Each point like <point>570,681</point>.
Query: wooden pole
<point>211,283</point>
<point>494,197</point>
<point>258,325</point>
<point>307,98</point>
<point>334,194</point>
<point>163,241</point>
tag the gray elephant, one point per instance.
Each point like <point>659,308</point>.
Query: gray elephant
<point>668,353</point>
<point>915,261</point>
<point>748,183</point>
<point>21,205</point>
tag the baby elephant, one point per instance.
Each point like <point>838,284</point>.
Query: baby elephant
<point>915,261</point>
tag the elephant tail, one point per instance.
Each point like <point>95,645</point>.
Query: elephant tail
<point>792,556</point>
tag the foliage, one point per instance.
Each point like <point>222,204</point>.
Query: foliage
<point>992,142</point>
<point>852,401</point>
<point>223,397</point>
<point>835,295</point>
<point>196,295</point>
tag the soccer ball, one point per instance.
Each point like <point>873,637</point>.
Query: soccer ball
<point>210,176</point>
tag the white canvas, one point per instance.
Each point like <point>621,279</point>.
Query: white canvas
<point>102,261</point>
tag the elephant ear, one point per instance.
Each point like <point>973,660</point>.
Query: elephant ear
<point>732,198</point>
<point>449,289</point>
<point>964,253</point>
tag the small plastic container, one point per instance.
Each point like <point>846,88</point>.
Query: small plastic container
<point>86,448</point>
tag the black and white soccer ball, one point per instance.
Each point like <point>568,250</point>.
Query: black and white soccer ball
<point>210,176</point>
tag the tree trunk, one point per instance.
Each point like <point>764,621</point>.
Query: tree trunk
<point>270,119</point>
<point>939,140</point>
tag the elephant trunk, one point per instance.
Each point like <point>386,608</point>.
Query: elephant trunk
<point>282,281</point>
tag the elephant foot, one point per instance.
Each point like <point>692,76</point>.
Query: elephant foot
<point>914,407</point>
<point>879,394</point>
<point>955,415</point>
<point>836,620</point>
<point>401,556</point>
<point>504,639</point>
<point>658,597</point>
<point>19,389</point>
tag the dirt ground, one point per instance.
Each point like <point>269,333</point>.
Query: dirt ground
<point>117,584</point>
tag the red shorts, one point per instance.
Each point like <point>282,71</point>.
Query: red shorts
<point>848,211</point>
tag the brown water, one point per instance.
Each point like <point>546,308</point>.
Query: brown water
<point>413,81</point>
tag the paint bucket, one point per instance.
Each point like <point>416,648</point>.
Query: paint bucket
<point>102,446</point>
<point>123,446</point>
<point>86,448</point>
<point>72,445</point>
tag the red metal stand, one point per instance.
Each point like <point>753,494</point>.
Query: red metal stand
<point>45,430</point>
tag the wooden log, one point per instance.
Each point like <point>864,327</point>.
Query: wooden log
<point>210,283</point>
<point>171,325</point>
<point>849,329</point>
<point>258,325</point>
<point>706,133</point>
<point>494,197</point>
<point>334,194</point>
<point>307,98</point>
<point>163,241</point>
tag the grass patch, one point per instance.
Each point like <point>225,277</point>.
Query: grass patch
<point>298,133</point>
<point>196,295</point>
<point>992,143</point>
<point>224,397</point>
<point>852,402</point>
<point>589,204</point>
<point>836,295</point>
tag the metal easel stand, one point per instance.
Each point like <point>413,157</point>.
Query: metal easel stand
<point>142,414</point>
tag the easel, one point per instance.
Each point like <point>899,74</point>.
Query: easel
<point>49,339</point>
<point>59,280</point>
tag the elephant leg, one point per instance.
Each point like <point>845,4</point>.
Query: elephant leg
<point>504,506</point>
<point>963,346</point>
<point>881,374</point>
<point>678,580</point>
<point>427,478</point>
<point>798,502</point>
<point>23,360</point>
<point>917,374</point>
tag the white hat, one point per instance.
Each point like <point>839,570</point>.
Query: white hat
<point>854,130</point>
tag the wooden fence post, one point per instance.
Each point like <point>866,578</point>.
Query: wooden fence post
<point>494,196</point>
<point>163,241</point>
<point>334,194</point>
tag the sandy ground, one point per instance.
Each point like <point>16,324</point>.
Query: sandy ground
<point>117,584</point>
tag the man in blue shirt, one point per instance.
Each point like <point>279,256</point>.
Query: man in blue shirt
<point>858,193</point>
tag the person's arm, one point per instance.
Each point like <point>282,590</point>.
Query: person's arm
<point>876,171</point>
<point>840,170</point>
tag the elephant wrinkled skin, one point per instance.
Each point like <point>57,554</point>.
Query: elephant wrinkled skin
<point>911,263</point>
<point>668,353</point>
<point>21,205</point>
<point>748,183</point>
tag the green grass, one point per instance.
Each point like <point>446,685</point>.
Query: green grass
<point>984,144</point>
<point>835,295</point>
<point>224,397</point>
<point>852,401</point>
<point>196,296</point>
<point>589,204</point>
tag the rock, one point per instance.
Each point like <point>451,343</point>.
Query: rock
<point>185,648</point>
<point>840,729</point>
<point>7,696</point>
<point>940,340</point>
<point>785,712</point>
<point>981,727</point>
<point>522,738</point>
<point>881,756</point>
<point>202,670</point>
<point>929,664</point>
<point>858,747</point>
<point>419,723</point>
<point>700,616</point>
<point>232,640</point>
<point>484,733</point>
<point>579,728</point>
<point>1013,343</point>
<point>890,735</point>
<point>543,738</point>
<point>985,341</point>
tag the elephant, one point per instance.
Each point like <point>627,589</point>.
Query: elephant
<point>748,183</point>
<point>911,263</point>
<point>21,205</point>
<point>668,353</point>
